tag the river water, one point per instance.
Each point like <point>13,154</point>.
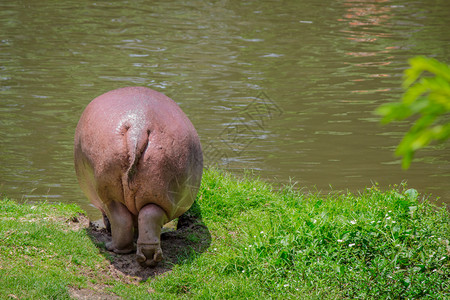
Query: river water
<point>284,88</point>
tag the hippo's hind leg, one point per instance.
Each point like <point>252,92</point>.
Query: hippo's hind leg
<point>151,219</point>
<point>121,221</point>
<point>106,222</point>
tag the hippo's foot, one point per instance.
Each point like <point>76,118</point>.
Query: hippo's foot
<point>110,247</point>
<point>151,219</point>
<point>149,255</point>
<point>122,227</point>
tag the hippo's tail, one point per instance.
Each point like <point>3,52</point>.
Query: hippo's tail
<point>136,144</point>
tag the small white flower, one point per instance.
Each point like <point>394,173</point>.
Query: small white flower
<point>394,222</point>
<point>353,222</point>
<point>243,271</point>
<point>249,246</point>
<point>388,218</point>
<point>215,249</point>
<point>286,285</point>
<point>390,211</point>
<point>351,245</point>
<point>262,232</point>
<point>372,222</point>
<point>340,241</point>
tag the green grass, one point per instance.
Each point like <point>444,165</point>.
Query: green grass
<point>39,255</point>
<point>265,244</point>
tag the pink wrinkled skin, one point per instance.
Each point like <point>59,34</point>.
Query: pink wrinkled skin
<point>138,159</point>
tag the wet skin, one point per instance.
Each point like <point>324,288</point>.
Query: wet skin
<point>138,159</point>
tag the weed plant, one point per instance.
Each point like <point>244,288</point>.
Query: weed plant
<point>265,244</point>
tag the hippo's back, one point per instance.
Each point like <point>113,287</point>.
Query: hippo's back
<point>136,146</point>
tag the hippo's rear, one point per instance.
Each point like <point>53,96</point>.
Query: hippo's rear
<point>138,159</point>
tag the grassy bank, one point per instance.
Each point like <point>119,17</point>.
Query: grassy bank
<point>264,244</point>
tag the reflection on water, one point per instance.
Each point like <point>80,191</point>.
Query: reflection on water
<point>285,90</point>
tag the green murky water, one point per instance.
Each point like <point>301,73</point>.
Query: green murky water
<point>285,88</point>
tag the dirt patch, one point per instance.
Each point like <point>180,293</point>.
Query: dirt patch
<point>78,222</point>
<point>91,294</point>
<point>178,246</point>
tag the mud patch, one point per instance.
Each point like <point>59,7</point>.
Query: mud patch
<point>178,246</point>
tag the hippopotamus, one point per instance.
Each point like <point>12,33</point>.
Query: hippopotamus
<point>138,159</point>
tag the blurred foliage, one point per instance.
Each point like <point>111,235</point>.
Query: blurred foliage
<point>428,99</point>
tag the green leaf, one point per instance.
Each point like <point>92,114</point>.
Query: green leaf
<point>427,98</point>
